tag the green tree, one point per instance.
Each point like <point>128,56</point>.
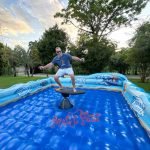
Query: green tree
<point>7,52</point>
<point>140,53</point>
<point>20,55</point>
<point>133,67</point>
<point>1,56</point>
<point>34,58</point>
<point>118,61</point>
<point>21,58</point>
<point>5,60</point>
<point>13,63</point>
<point>51,38</point>
<point>100,17</point>
<point>96,53</point>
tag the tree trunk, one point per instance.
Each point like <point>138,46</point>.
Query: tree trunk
<point>27,70</point>
<point>136,71</point>
<point>14,71</point>
<point>143,79</point>
<point>32,71</point>
<point>47,74</point>
<point>143,72</point>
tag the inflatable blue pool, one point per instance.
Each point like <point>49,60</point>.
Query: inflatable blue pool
<point>112,114</point>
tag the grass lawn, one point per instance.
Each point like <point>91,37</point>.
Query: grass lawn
<point>7,81</point>
<point>145,86</point>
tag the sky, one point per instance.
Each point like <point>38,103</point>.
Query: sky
<point>22,21</point>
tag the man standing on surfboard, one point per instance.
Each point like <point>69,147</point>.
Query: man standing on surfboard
<point>63,60</point>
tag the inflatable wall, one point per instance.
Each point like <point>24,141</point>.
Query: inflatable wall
<point>137,98</point>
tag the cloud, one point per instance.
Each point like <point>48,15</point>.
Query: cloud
<point>18,42</point>
<point>122,36</point>
<point>44,13</point>
<point>26,20</point>
<point>11,24</point>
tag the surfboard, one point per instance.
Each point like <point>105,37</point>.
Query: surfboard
<point>69,91</point>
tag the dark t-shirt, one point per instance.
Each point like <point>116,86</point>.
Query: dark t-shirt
<point>63,61</point>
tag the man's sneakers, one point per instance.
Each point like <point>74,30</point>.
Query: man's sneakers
<point>74,90</point>
<point>60,88</point>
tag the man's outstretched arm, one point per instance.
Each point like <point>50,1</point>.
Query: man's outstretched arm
<point>48,66</point>
<point>78,59</point>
